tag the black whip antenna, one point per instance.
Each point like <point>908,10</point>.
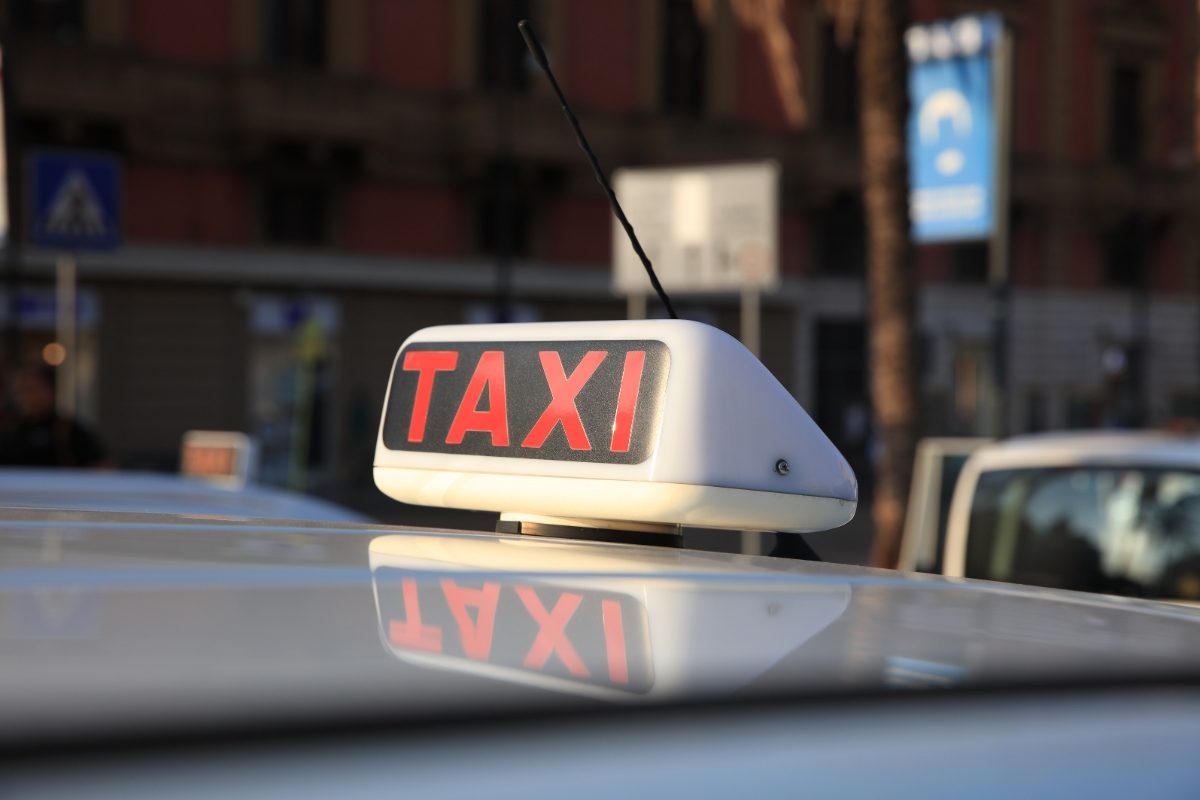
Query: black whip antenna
<point>539,55</point>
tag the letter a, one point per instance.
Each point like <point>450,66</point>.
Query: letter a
<point>489,374</point>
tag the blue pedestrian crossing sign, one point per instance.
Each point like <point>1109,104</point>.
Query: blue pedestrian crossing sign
<point>952,128</point>
<point>75,200</point>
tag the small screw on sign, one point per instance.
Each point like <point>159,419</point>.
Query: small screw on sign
<point>781,466</point>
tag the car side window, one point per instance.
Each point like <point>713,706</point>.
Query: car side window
<point>1131,531</point>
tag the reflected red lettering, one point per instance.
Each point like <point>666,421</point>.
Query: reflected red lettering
<point>476,637</point>
<point>614,641</point>
<point>563,391</point>
<point>427,363</point>
<point>489,375</point>
<point>552,636</point>
<point>411,633</point>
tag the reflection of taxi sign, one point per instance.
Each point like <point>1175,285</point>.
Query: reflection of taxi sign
<point>586,636</point>
<point>617,623</point>
<point>219,456</point>
<point>662,422</point>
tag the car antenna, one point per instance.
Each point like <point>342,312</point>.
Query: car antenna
<point>539,55</point>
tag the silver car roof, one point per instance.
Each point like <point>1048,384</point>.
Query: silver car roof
<point>150,492</point>
<point>128,621</point>
<point>1097,448</point>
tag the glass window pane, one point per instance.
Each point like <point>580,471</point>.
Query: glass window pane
<point>1132,531</point>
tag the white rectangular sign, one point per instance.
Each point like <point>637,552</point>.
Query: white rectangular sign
<point>705,229</point>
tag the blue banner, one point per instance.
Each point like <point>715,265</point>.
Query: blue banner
<point>952,128</point>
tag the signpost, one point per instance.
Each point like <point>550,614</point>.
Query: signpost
<point>75,200</point>
<point>705,229</point>
<point>75,204</point>
<point>959,84</point>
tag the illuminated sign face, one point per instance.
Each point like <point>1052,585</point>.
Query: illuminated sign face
<point>598,401</point>
<point>227,457</point>
<point>210,462</point>
<point>591,637</point>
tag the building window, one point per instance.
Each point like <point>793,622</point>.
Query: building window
<point>60,18</point>
<point>969,262</point>
<point>295,212</point>
<point>295,32</point>
<point>503,213</point>
<point>502,63</point>
<point>36,130</point>
<point>1185,408</point>
<point>685,55</point>
<point>294,362</point>
<point>1126,251</point>
<point>839,82</point>
<point>841,232</point>
<point>1125,125</point>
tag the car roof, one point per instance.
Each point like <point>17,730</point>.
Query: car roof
<point>151,492</point>
<point>135,621</point>
<point>1112,448</point>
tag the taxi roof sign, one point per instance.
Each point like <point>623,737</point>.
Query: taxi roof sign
<point>663,422</point>
<point>225,457</point>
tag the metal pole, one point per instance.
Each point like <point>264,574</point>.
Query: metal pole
<point>751,323</point>
<point>1143,405</point>
<point>751,317</point>
<point>504,173</point>
<point>65,293</point>
<point>310,347</point>
<point>635,306</point>
<point>998,271</point>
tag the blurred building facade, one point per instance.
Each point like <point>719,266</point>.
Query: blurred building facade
<point>307,182</point>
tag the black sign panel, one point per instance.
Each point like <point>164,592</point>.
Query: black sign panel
<point>592,637</point>
<point>597,401</point>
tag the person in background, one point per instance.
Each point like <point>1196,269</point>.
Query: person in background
<point>37,436</point>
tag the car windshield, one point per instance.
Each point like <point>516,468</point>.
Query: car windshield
<point>1131,531</point>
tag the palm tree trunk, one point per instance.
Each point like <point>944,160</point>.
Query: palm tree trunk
<point>883,101</point>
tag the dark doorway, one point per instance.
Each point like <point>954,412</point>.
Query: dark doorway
<point>843,408</point>
<point>841,382</point>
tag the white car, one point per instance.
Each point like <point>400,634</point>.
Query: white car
<point>160,493</point>
<point>583,652</point>
<point>1111,512</point>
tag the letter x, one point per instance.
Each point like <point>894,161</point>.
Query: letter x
<point>563,391</point>
<point>552,636</point>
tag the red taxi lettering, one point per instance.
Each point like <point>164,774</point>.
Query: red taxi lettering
<point>627,398</point>
<point>426,363</point>
<point>411,633</point>
<point>489,375</point>
<point>476,637</point>
<point>552,636</point>
<point>614,641</point>
<point>208,460</point>
<point>563,391</point>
